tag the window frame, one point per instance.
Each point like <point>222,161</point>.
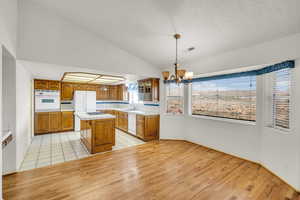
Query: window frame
<point>223,119</point>
<point>166,105</point>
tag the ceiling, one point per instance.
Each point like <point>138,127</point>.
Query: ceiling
<point>56,72</point>
<point>145,27</point>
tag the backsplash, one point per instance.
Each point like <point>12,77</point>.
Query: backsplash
<point>147,106</point>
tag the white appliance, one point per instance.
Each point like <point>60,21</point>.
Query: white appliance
<point>132,123</point>
<point>47,100</point>
<point>84,101</point>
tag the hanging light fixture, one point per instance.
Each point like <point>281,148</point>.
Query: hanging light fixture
<point>180,74</point>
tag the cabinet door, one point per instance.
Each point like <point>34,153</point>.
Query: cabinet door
<point>54,85</point>
<point>67,119</point>
<point>113,91</point>
<point>66,91</point>
<point>140,126</point>
<point>151,127</point>
<point>54,121</point>
<point>104,132</point>
<point>155,90</point>
<point>102,92</point>
<point>41,85</point>
<point>41,122</point>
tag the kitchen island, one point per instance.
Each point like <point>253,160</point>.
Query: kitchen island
<point>97,131</point>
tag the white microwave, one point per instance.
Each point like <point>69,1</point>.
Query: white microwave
<point>47,100</point>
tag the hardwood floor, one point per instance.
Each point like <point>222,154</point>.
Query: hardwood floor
<point>158,170</point>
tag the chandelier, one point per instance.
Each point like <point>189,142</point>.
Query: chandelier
<point>180,74</point>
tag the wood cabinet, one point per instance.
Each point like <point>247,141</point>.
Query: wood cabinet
<point>98,135</point>
<point>122,93</point>
<point>147,127</point>
<point>113,92</point>
<point>54,121</point>
<point>41,122</point>
<point>103,92</point>
<point>47,122</point>
<point>122,118</point>
<point>67,91</point>
<point>54,85</point>
<point>148,89</point>
<point>67,121</point>
<point>46,84</point>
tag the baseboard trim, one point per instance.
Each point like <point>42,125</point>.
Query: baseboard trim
<point>257,163</point>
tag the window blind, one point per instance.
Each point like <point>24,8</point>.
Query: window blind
<point>174,98</point>
<point>281,98</point>
<point>233,98</point>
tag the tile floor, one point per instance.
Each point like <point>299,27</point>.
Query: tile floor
<point>55,148</point>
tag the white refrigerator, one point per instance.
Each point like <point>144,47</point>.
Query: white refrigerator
<point>84,101</point>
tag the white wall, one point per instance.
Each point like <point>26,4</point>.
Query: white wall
<point>8,25</point>
<point>9,109</point>
<point>8,38</point>
<point>278,151</point>
<point>46,37</point>
<point>23,112</point>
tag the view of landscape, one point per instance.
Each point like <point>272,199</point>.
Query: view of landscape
<point>174,98</point>
<point>233,98</point>
<point>281,98</point>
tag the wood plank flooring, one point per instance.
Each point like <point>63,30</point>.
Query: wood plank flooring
<point>159,170</point>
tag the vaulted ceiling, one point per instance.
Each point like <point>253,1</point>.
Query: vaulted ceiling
<point>145,27</point>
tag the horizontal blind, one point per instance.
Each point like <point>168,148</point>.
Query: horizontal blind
<point>233,98</point>
<point>174,98</point>
<point>281,98</point>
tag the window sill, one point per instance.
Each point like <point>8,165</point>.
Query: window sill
<point>174,115</point>
<point>235,121</point>
<point>279,130</point>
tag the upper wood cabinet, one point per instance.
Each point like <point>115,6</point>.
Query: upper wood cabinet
<point>54,85</point>
<point>148,89</point>
<point>67,91</point>
<point>113,92</point>
<point>46,84</point>
<point>122,93</point>
<point>103,92</point>
<point>67,121</point>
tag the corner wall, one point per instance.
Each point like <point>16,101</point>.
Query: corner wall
<point>277,151</point>
<point>23,112</point>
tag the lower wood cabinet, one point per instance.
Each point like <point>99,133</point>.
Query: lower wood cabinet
<point>41,122</point>
<point>50,122</point>
<point>67,121</point>
<point>122,120</point>
<point>54,121</point>
<point>98,135</point>
<point>147,127</point>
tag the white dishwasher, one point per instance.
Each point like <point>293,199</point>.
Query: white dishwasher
<point>132,123</point>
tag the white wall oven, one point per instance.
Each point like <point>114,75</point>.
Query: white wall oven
<point>47,100</point>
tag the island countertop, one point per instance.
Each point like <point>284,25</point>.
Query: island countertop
<point>86,116</point>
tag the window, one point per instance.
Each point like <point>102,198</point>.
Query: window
<point>281,98</point>
<point>233,98</point>
<point>174,98</point>
<point>133,93</point>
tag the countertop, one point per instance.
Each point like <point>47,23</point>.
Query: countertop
<point>55,110</point>
<point>85,116</point>
<point>138,112</point>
